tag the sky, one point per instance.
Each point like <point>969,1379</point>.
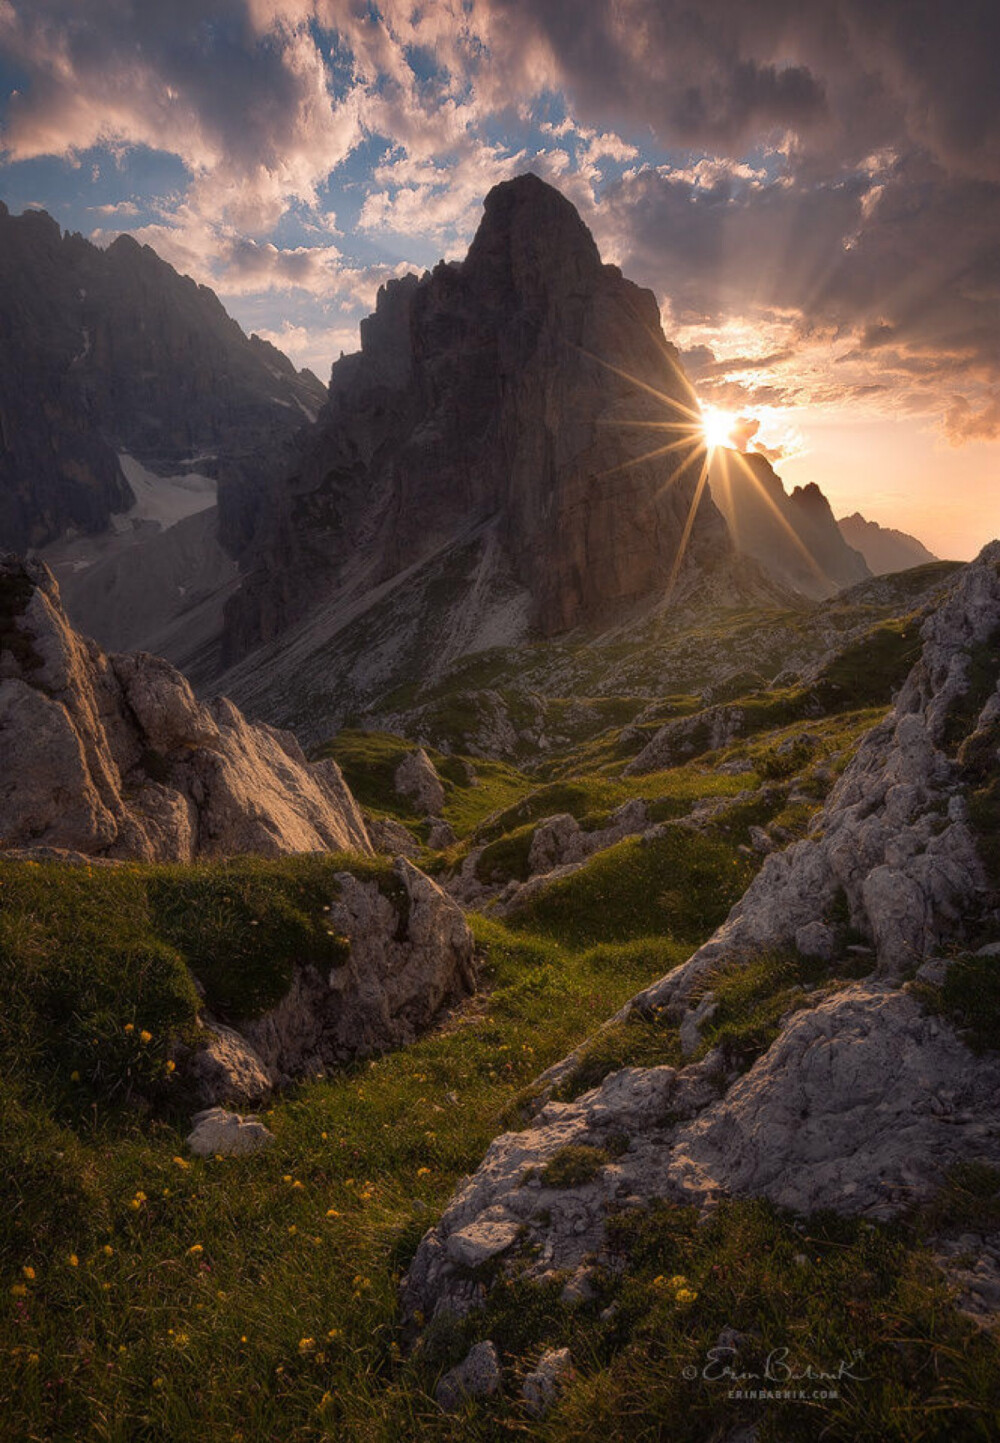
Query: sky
<point>810,187</point>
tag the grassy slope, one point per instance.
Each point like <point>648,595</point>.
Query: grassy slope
<point>256,1298</point>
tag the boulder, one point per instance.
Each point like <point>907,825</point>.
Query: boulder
<point>540,1389</point>
<point>217,1133</point>
<point>477,1376</point>
<point>113,756</point>
<point>417,780</point>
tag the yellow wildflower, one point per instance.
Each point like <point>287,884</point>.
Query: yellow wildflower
<point>158,1382</point>
<point>182,1162</point>
<point>73,1260</point>
<point>170,1066</point>
<point>287,1177</point>
<point>196,1250</point>
<point>293,1229</point>
<point>332,1213</point>
<point>108,1250</point>
<point>686,1295</point>
<point>422,1171</point>
<point>307,1345</point>
<point>145,1037</point>
<point>29,1273</point>
<point>678,1281</point>
<point>74,1076</point>
<point>18,1290</point>
<point>130,1027</point>
<point>333,1333</point>
<point>297,1184</point>
<point>33,1359</point>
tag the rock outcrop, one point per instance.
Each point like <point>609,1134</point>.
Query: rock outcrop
<point>410,952</point>
<point>794,537</point>
<point>865,1097</point>
<point>113,756</point>
<point>514,392</point>
<point>110,350</point>
<point>885,550</point>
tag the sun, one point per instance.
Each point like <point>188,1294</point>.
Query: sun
<point>718,427</point>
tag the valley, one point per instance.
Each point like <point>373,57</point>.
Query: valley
<point>499,899</point>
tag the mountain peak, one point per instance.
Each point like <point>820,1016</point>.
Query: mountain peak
<point>531,227</point>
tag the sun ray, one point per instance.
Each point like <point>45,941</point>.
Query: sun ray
<point>782,521</point>
<point>685,442</point>
<point>695,416</point>
<point>686,533</point>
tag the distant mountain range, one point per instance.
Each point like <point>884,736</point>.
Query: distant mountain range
<point>885,550</point>
<point>104,351</point>
<point>514,453</point>
<point>794,537</point>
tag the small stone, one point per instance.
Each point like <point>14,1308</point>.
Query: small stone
<point>226,1134</point>
<point>474,1245</point>
<point>477,1376</point>
<point>933,971</point>
<point>439,834</point>
<point>579,1288</point>
<point>541,1388</point>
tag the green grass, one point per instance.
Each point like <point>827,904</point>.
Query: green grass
<point>970,998</point>
<point>474,787</point>
<point>94,958</point>
<point>679,887</point>
<point>381,1146</point>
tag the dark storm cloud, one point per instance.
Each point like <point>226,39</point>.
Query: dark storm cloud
<point>848,76</point>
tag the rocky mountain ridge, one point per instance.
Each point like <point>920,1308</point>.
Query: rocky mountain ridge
<point>884,548</point>
<point>109,350</point>
<point>792,535</point>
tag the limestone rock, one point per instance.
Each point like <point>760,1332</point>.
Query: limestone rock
<point>540,1389</point>
<point>411,952</point>
<point>391,837</point>
<point>114,756</point>
<point>216,1132</point>
<point>417,780</point>
<point>477,1376</point>
<point>440,834</point>
<point>686,737</point>
<point>223,1067</point>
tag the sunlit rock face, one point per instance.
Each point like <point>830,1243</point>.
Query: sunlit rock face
<point>794,537</point>
<point>112,756</point>
<point>111,350</point>
<point>530,389</point>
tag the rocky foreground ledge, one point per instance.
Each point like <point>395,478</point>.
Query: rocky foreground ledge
<point>112,756</point>
<point>869,1091</point>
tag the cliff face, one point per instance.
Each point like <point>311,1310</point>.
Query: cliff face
<point>794,537</point>
<point>524,388</point>
<point>103,351</point>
